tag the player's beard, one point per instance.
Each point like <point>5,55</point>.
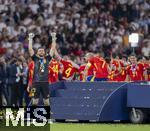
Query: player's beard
<point>41,55</point>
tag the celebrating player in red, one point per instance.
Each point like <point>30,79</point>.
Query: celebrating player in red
<point>135,71</point>
<point>54,68</point>
<point>81,72</point>
<point>115,69</point>
<point>31,70</point>
<point>69,68</point>
<point>100,67</point>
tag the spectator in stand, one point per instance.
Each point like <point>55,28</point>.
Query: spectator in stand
<point>81,26</point>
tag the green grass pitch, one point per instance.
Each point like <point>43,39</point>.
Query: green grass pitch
<point>82,127</point>
<point>98,127</point>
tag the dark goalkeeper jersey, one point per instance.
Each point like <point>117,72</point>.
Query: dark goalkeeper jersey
<point>41,68</point>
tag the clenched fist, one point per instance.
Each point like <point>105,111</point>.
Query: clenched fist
<point>31,35</point>
<point>53,34</point>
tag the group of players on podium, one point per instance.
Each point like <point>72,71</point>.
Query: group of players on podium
<point>95,68</point>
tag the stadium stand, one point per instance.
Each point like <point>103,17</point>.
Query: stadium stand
<point>91,25</point>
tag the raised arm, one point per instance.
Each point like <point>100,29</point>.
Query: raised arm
<point>53,47</point>
<point>75,65</point>
<point>57,55</point>
<point>30,48</point>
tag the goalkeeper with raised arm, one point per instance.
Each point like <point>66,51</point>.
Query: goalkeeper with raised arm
<point>41,60</point>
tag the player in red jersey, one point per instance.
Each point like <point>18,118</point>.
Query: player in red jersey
<point>30,93</point>
<point>122,75</point>
<point>81,72</point>
<point>30,72</point>
<point>100,67</point>
<point>89,73</point>
<point>147,67</point>
<point>54,68</point>
<point>119,70</point>
<point>115,69</point>
<point>148,73</point>
<point>69,68</point>
<point>124,63</point>
<point>135,71</point>
<point>146,63</point>
<point>110,71</point>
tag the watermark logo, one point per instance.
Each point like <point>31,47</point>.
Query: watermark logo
<point>37,116</point>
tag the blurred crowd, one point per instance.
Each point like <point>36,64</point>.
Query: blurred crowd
<point>82,25</point>
<point>98,26</point>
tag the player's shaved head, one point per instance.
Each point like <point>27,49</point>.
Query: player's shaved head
<point>66,57</point>
<point>89,55</point>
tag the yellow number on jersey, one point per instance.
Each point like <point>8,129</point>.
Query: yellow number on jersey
<point>67,72</point>
<point>55,68</point>
<point>96,66</point>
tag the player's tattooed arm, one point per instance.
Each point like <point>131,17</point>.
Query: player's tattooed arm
<point>30,48</point>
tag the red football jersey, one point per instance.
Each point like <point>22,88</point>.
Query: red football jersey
<point>116,65</point>
<point>117,74</point>
<point>31,70</point>
<point>90,70</point>
<point>135,72</point>
<point>81,72</point>
<point>146,67</point>
<point>54,67</point>
<point>122,75</point>
<point>111,75</point>
<point>100,67</point>
<point>148,77</point>
<point>68,70</point>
